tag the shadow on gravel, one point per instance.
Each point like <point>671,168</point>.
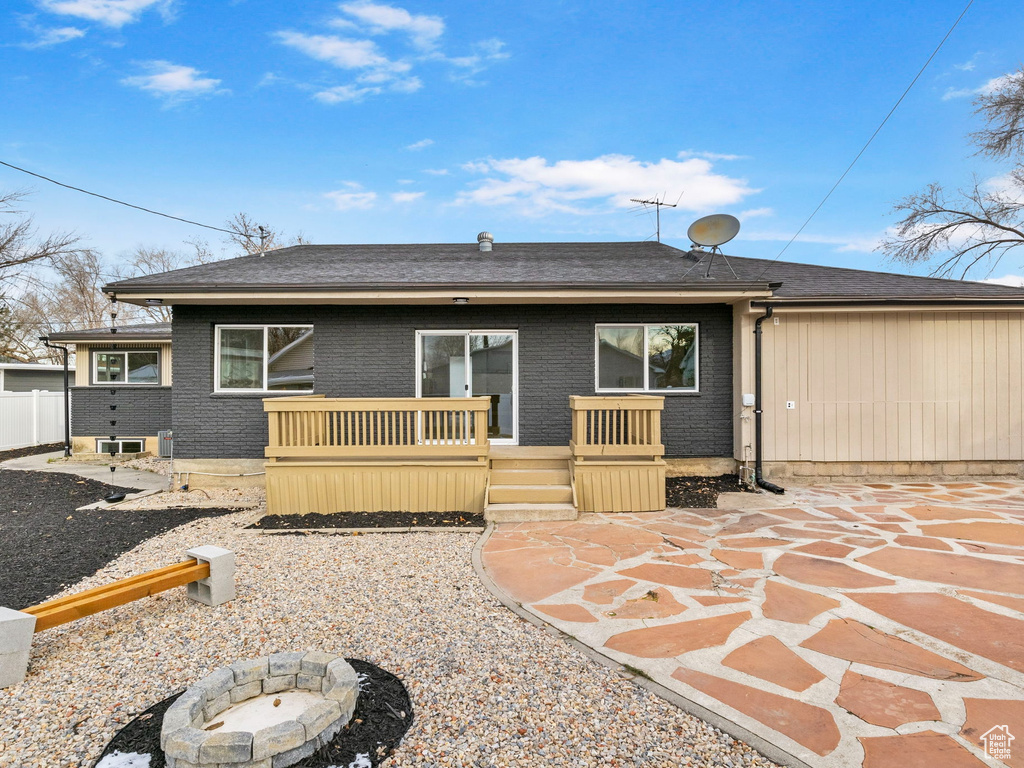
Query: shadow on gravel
<point>45,545</point>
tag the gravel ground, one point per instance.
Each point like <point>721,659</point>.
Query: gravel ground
<point>46,545</point>
<point>488,688</point>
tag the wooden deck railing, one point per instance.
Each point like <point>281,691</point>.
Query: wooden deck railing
<point>617,426</point>
<point>395,427</point>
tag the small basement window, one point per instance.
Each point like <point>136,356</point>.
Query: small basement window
<point>263,358</point>
<point>647,358</point>
<point>133,445</point>
<point>129,367</point>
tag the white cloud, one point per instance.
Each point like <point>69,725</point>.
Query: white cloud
<point>1016,281</point>
<point>386,66</point>
<point>754,212</point>
<point>436,171</point>
<point>991,86</point>
<point>173,82</point>
<point>535,186</point>
<point>841,243</point>
<point>352,197</point>
<point>424,31</point>
<point>421,144</point>
<point>688,153</point>
<point>406,197</point>
<point>970,64</point>
<point>112,13</point>
<point>54,36</point>
<point>406,181</point>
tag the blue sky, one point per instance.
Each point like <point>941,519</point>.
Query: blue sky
<point>428,122</point>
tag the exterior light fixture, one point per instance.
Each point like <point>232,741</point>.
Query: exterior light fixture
<point>154,302</point>
<point>460,300</point>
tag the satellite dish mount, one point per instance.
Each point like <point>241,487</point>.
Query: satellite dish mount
<point>712,232</point>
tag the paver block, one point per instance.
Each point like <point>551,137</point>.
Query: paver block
<point>315,663</point>
<point>247,691</point>
<point>229,747</point>
<point>318,717</point>
<point>250,670</point>
<point>279,683</point>
<point>289,663</point>
<point>276,739</point>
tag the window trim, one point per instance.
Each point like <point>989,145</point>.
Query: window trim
<point>94,368</point>
<point>646,389</point>
<point>120,443</point>
<point>217,389</point>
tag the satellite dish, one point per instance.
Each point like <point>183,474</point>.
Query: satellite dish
<point>714,230</point>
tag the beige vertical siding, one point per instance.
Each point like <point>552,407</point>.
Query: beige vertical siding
<point>83,360</point>
<point>894,386</point>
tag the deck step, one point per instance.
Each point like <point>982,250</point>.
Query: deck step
<point>528,463</point>
<point>530,476</point>
<point>530,494</point>
<point>528,513</point>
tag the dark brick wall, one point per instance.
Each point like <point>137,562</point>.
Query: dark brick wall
<point>141,411</point>
<point>371,352</point>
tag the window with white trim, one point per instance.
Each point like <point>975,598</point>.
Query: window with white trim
<point>132,445</point>
<point>647,358</point>
<point>263,358</point>
<point>127,367</point>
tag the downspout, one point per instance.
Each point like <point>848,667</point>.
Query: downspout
<point>759,480</point>
<point>67,395</point>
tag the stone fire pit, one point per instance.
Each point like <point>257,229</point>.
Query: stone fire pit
<point>269,712</point>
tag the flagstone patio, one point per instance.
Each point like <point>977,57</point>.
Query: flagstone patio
<point>862,625</point>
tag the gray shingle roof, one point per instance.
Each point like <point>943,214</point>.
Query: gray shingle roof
<point>141,332</point>
<point>523,265</point>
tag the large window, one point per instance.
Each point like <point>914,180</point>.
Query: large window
<point>647,358</point>
<point>264,358</point>
<point>126,367</point>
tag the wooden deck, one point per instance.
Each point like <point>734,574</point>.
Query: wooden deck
<point>433,454</point>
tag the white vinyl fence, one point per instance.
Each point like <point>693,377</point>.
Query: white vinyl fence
<point>31,418</point>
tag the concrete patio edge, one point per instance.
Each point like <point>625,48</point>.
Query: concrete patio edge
<point>722,723</point>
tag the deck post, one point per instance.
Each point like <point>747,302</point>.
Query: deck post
<point>219,587</point>
<point>16,630</point>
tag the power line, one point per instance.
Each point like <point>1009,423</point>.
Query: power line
<point>871,139</point>
<point>119,202</point>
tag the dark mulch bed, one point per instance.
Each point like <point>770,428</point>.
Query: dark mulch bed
<point>699,492</point>
<point>45,545</point>
<point>382,716</point>
<point>32,450</point>
<point>371,520</point>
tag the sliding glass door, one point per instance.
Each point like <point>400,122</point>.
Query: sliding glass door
<point>473,364</point>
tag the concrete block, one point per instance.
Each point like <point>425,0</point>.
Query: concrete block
<point>319,717</point>
<point>184,744</point>
<point>216,683</point>
<point>954,469</point>
<point>853,469</point>
<point>229,747</point>
<point>246,691</point>
<point>315,662</point>
<point>219,587</point>
<point>16,630</point>
<point>215,706</point>
<point>250,670</point>
<point>288,663</point>
<point>292,756</point>
<point>276,739</point>
<point>281,683</point>
<point>309,682</point>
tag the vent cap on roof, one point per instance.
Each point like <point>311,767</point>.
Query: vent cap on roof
<point>486,240</point>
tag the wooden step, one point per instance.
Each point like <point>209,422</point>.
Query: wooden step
<point>530,494</point>
<point>528,513</point>
<point>530,476</point>
<point>529,463</point>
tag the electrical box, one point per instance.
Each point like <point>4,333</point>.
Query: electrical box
<point>748,400</point>
<point>164,440</point>
<point>791,405</point>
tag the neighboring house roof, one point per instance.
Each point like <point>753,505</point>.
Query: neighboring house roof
<point>568,266</point>
<point>153,332</point>
<point>34,367</point>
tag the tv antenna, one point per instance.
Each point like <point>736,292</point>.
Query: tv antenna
<point>658,205</point>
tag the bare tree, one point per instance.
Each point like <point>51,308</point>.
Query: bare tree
<point>957,231</point>
<point>252,237</point>
<point>19,244</point>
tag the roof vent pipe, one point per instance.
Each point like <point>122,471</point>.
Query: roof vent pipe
<point>486,240</point>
